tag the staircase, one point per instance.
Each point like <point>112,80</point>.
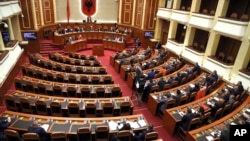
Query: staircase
<point>47,46</point>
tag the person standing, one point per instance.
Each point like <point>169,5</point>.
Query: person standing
<point>140,89</point>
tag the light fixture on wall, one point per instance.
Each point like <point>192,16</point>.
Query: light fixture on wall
<point>22,15</point>
<point>5,25</point>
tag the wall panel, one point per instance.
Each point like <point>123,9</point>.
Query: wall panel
<point>27,22</point>
<point>138,13</point>
<point>48,11</point>
<point>127,11</point>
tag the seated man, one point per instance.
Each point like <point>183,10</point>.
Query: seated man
<point>4,123</point>
<point>141,136</point>
<point>36,128</point>
<point>186,119</point>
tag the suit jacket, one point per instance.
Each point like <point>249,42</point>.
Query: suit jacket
<point>40,131</point>
<point>3,125</point>
<point>186,119</point>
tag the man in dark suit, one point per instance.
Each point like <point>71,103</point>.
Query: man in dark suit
<point>36,128</point>
<point>151,74</point>
<point>141,136</point>
<point>4,123</point>
<point>186,119</point>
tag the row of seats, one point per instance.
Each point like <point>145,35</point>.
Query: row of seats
<point>67,90</point>
<point>67,60</point>
<point>83,134</point>
<point>81,56</point>
<point>38,60</point>
<point>51,75</point>
<point>71,107</point>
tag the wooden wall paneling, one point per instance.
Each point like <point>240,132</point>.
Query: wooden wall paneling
<point>150,14</point>
<point>27,22</point>
<point>37,12</point>
<point>138,13</point>
<point>127,11</point>
<point>48,11</point>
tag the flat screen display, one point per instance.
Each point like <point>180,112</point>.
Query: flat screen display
<point>6,36</point>
<point>29,35</point>
<point>149,34</point>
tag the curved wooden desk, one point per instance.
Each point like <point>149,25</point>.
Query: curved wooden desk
<point>172,117</point>
<point>76,46</point>
<point>201,133</point>
<point>21,121</point>
<point>25,82</point>
<point>99,102</point>
<point>33,71</point>
<point>37,59</point>
<point>153,99</point>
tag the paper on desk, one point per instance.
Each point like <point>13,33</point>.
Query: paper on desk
<point>142,123</point>
<point>112,125</point>
<point>209,138</point>
<point>133,124</point>
<point>45,127</point>
<point>155,97</point>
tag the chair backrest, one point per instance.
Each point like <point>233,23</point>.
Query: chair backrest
<point>31,137</point>
<point>55,108</point>
<point>73,109</point>
<point>204,11</point>
<point>183,100</point>
<point>151,136</point>
<point>85,92</point>
<point>195,45</point>
<point>212,13</point>
<point>234,16</point>
<point>244,17</point>
<point>100,92</point>
<point>41,88</point>
<point>116,92</point>
<point>71,91</point>
<point>86,63</point>
<point>170,103</point>
<point>84,133</point>
<point>77,62</point>
<point>68,69</point>
<point>58,136</point>
<point>79,70</point>
<point>124,135</point>
<point>90,110</point>
<point>229,60</point>
<point>107,80</point>
<point>29,86</point>
<point>57,90</point>
<point>95,80</point>
<point>25,105</point>
<point>60,78</point>
<point>102,133</point>
<point>84,79</point>
<point>72,79</point>
<point>194,123</point>
<point>202,47</point>
<point>102,71</point>
<point>10,103</point>
<point>221,56</point>
<point>41,107</point>
<point>205,118</point>
<point>125,108</point>
<point>108,109</point>
<point>12,135</point>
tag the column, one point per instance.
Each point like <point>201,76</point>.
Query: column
<point>10,29</point>
<point>16,27</point>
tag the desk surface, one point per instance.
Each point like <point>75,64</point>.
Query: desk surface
<point>205,132</point>
<point>20,121</point>
<point>172,116</point>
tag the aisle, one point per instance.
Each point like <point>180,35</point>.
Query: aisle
<point>155,120</point>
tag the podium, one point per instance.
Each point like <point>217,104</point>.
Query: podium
<point>98,50</point>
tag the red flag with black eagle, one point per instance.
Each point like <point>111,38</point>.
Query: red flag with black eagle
<point>68,11</point>
<point>89,7</point>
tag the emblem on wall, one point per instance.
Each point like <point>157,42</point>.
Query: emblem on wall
<point>89,7</point>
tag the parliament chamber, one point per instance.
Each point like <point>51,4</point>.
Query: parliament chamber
<point>169,69</point>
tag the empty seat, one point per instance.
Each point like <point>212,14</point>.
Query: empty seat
<point>90,110</point>
<point>55,109</point>
<point>116,92</point>
<point>31,137</point>
<point>58,136</point>
<point>102,133</point>
<point>151,136</point>
<point>234,16</point>
<point>25,105</point>
<point>221,56</point>
<point>229,60</point>
<point>124,135</point>
<point>100,92</point>
<point>108,109</point>
<point>12,135</point>
<point>84,133</point>
<point>10,103</point>
<point>85,92</point>
<point>125,108</point>
<point>41,108</point>
<point>244,18</point>
<point>71,92</point>
<point>73,110</point>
